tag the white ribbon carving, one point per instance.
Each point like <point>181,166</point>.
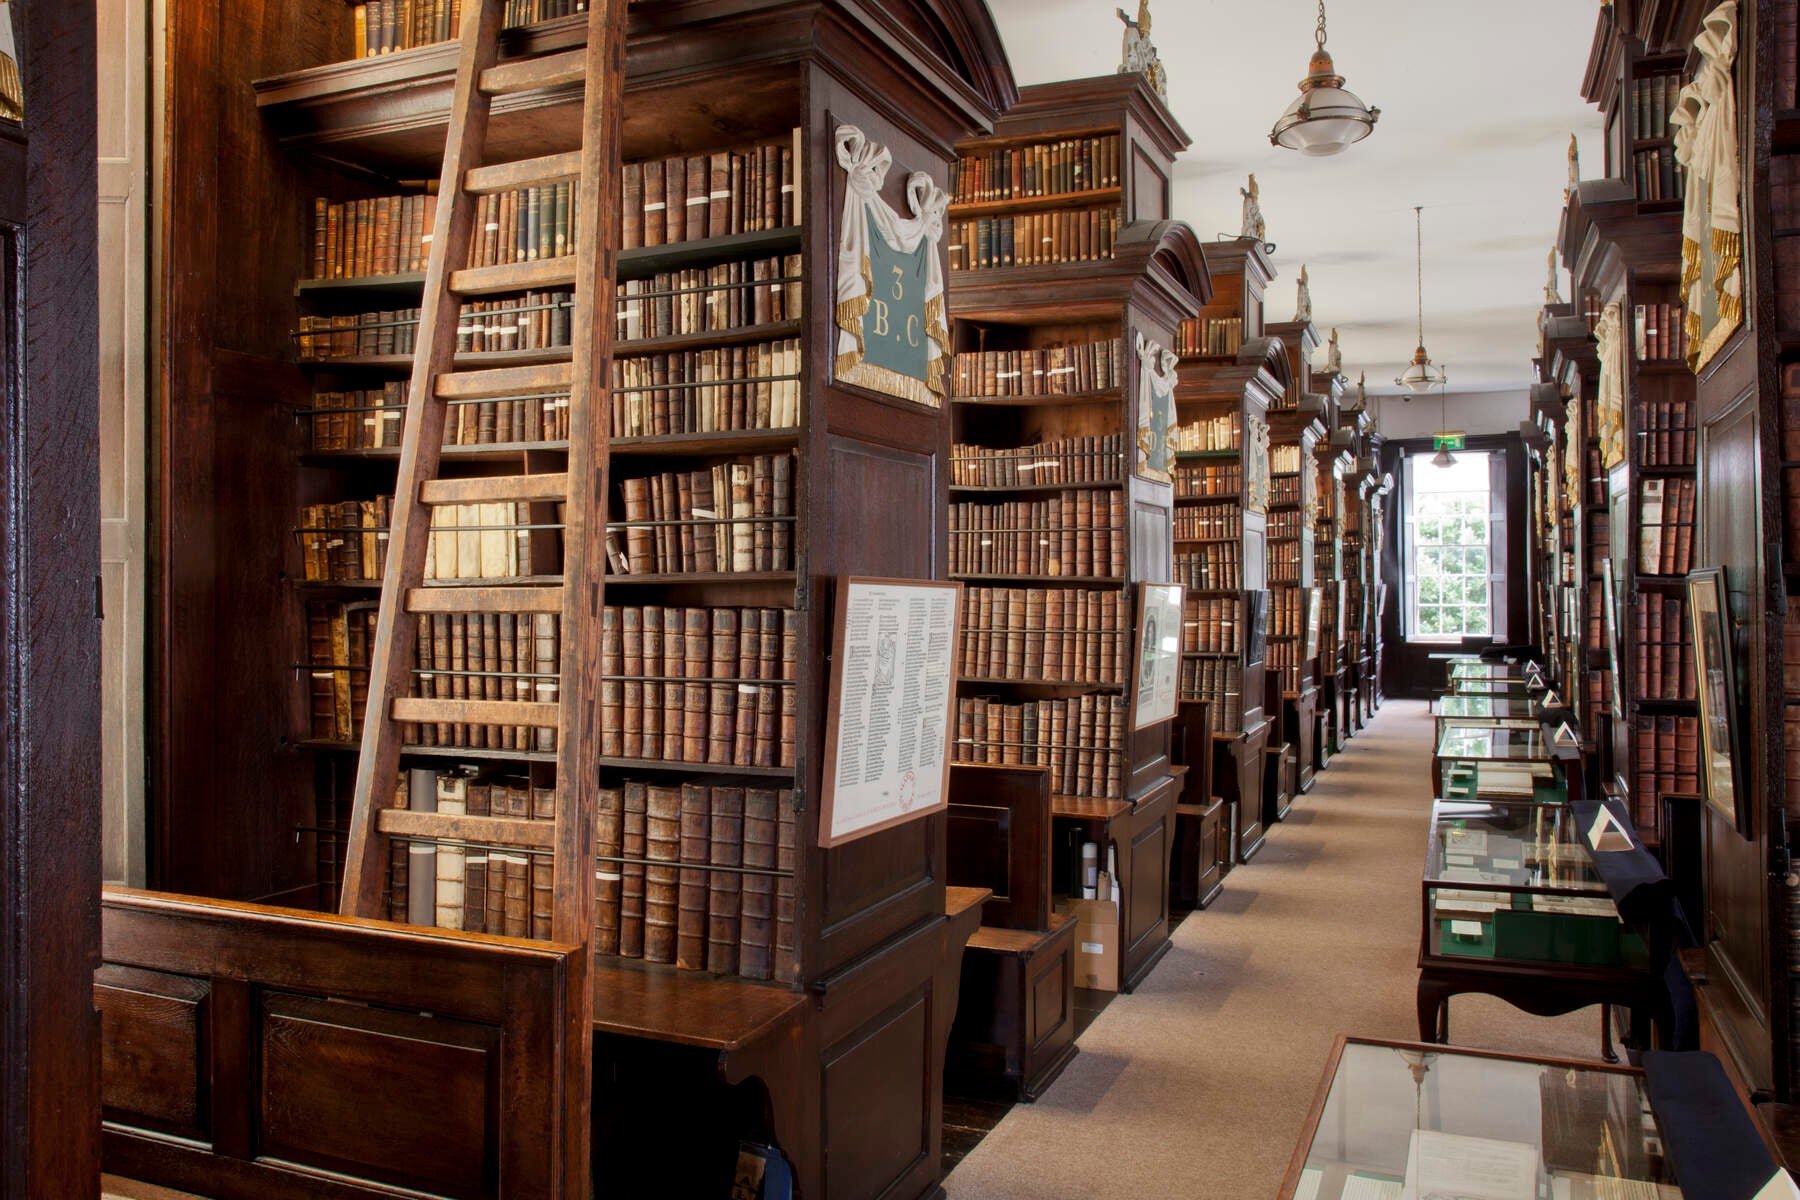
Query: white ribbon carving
<point>1706,144</point>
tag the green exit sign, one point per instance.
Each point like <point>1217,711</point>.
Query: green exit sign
<point>1447,441</point>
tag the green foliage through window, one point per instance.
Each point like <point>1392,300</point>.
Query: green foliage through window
<point>1451,592</point>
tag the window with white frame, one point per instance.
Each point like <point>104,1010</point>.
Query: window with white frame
<point>1450,547</point>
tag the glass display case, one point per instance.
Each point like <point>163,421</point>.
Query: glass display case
<point>1514,883</point>
<point>1494,760</point>
<point>1508,712</point>
<point>1399,1119</point>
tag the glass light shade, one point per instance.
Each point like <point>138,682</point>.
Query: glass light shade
<point>1444,458</point>
<point>1322,121</point>
<point>1323,118</point>
<point>1422,375</point>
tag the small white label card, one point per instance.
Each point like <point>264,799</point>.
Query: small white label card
<point>1564,736</point>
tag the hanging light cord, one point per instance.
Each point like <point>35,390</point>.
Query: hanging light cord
<point>1418,257</point>
<point>1319,34</point>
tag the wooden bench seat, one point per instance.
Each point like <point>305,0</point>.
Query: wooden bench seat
<point>1017,1032</point>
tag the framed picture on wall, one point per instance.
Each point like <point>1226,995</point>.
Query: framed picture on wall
<point>1717,675</point>
<point>1315,600</point>
<point>1158,672</point>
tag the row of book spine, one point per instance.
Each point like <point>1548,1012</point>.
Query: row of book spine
<point>370,419</point>
<point>1210,624</point>
<point>1661,332</point>
<point>1666,434</point>
<point>1284,562</point>
<point>1211,337</point>
<point>486,656</point>
<point>1033,239</point>
<point>1667,763</point>
<point>1044,635</point>
<point>716,299</point>
<point>1208,522</point>
<point>1074,533</point>
<point>1081,739</point>
<point>1657,176</point>
<point>1283,658</point>
<point>1287,612</point>
<point>1043,169</point>
<point>734,516</point>
<point>699,685</point>
<point>1666,534</point>
<point>389,26</point>
<point>1095,458</point>
<point>345,540</point>
<point>1201,481</point>
<point>505,539</point>
<point>1284,460</point>
<point>1652,101</point>
<point>1071,370</point>
<point>456,884</point>
<point>1215,567</point>
<point>720,389</point>
<point>687,198</point>
<point>1221,681</point>
<point>391,235</point>
<point>1594,616</point>
<point>1284,489</point>
<point>533,320</point>
<point>1210,433</point>
<point>698,875</point>
<point>1664,646</point>
<point>1286,523</point>
<point>1790,712</point>
<point>339,637</point>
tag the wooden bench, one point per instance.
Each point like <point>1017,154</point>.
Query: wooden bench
<point>1202,839</point>
<point>1015,1021</point>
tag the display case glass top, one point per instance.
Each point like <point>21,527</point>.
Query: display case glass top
<point>1488,743</point>
<point>1399,1119</point>
<point>1491,670</point>
<point>1463,686</point>
<point>1488,707</point>
<point>1513,883</point>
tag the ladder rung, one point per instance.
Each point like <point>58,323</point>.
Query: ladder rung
<point>535,275</point>
<point>484,600</point>
<point>552,70</point>
<point>497,383</point>
<point>492,489</point>
<point>526,172</point>
<point>475,712</point>
<point>487,831</point>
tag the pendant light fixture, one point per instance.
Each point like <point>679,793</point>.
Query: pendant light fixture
<point>1422,375</point>
<point>1443,458</point>
<point>1324,118</point>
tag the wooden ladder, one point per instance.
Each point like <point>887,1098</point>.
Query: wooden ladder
<point>436,385</point>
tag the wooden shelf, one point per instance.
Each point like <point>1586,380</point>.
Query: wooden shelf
<point>1090,580</point>
<point>467,361</point>
<point>730,441</point>
<point>1198,455</point>
<point>465,753</point>
<point>1060,684</point>
<point>661,764</point>
<point>1109,396</point>
<point>665,578</point>
<point>1061,202</point>
<point>490,452</point>
<point>1096,485</point>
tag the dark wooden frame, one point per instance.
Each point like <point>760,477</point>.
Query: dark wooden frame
<point>1726,799</point>
<point>1138,644</point>
<point>50,537</point>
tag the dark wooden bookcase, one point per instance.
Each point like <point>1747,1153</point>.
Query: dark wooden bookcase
<point>1362,629</point>
<point>1338,658</point>
<point>1053,317</point>
<point>1224,399</point>
<point>249,804</point>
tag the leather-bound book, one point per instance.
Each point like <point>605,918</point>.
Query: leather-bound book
<point>675,189</point>
<point>609,846</point>
<point>662,846</point>
<point>543,895</point>
<point>612,691</point>
<point>757,904</point>
<point>638,538</point>
<point>632,225</point>
<point>631,887</point>
<point>723,704</point>
<point>695,850</point>
<point>706,537</point>
<point>697,660</point>
<point>655,204</point>
<point>547,665</point>
<point>399,854</point>
<point>451,801</point>
<point>651,711</point>
<point>518,894</point>
<point>496,892</point>
<point>674,657</point>
<point>475,867</point>
<point>787,860</point>
<point>726,884</point>
<point>790,698</point>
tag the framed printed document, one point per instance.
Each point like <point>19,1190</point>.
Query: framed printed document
<point>1158,672</point>
<point>1709,610</point>
<point>1315,600</point>
<point>892,706</point>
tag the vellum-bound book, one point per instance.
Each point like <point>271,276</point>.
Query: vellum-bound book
<point>1574,1185</point>
<point>1451,1166</point>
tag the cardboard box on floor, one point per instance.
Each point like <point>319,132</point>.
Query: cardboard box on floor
<point>1096,939</point>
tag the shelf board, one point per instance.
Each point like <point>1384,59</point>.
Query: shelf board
<point>1665,471</point>
<point>1062,684</point>
<point>1090,580</point>
<point>730,441</point>
<point>1219,541</point>
<point>1663,366</point>
<point>470,360</point>
<point>490,452</point>
<point>665,578</point>
<point>466,753</point>
<point>1091,198</point>
<point>1200,455</point>
<point>1210,653</point>
<point>773,331</point>
<point>1110,395</point>
<point>703,768</point>
<point>1094,485</point>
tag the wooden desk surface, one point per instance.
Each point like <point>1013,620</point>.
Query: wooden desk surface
<point>958,900</point>
<point>689,1008</point>
<point>1086,808</point>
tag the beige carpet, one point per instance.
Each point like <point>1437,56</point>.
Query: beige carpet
<point>1196,1085</point>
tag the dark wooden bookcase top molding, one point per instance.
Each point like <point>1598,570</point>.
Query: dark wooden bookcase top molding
<point>861,1025</point>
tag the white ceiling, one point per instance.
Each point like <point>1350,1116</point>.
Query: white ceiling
<point>1477,103</point>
